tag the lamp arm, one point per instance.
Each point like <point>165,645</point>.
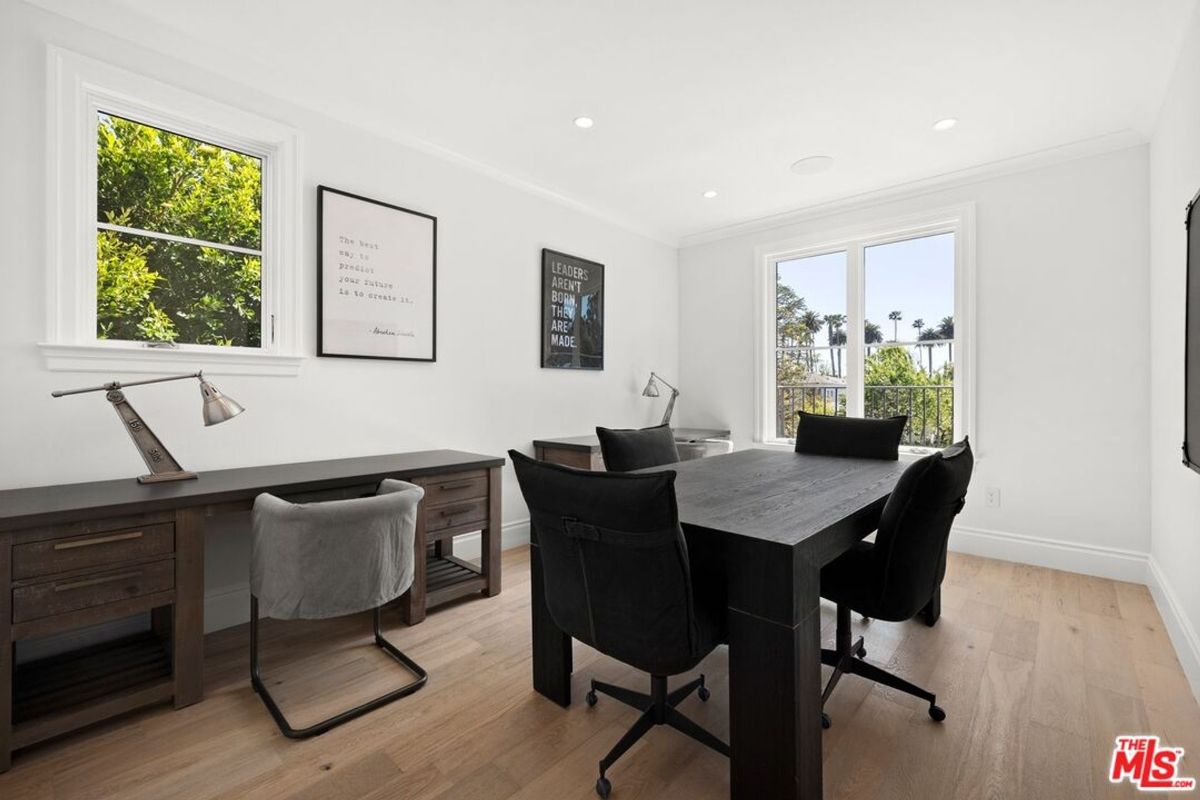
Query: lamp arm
<point>113,385</point>
<point>669,386</point>
<point>670,405</point>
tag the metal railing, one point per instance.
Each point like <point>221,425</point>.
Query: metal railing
<point>930,409</point>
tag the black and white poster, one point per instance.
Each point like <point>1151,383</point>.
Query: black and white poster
<point>572,312</point>
<point>376,279</point>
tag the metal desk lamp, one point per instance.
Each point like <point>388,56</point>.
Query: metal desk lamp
<point>651,390</point>
<point>163,466</point>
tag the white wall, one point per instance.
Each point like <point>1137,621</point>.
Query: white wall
<point>1174,489</point>
<point>1062,368</point>
<point>486,392</point>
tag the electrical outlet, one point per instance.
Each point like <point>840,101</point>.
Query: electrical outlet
<point>992,497</point>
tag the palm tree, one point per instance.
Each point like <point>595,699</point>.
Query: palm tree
<point>839,339</point>
<point>945,330</point>
<point>919,325</point>
<point>810,323</point>
<point>931,336</point>
<point>872,334</point>
<point>834,321</point>
<point>895,317</point>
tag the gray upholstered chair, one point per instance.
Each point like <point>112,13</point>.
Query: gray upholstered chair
<point>331,559</point>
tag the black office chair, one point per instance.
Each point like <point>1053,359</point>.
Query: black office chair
<point>617,577</point>
<point>895,578</point>
<point>851,437</point>
<point>630,449</point>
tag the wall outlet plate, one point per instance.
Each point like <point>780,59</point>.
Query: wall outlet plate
<point>992,497</point>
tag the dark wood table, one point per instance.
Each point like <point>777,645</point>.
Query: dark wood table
<point>584,451</point>
<point>762,523</point>
<point>80,554</point>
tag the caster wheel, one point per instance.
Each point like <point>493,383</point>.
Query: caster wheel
<point>603,788</point>
<point>703,693</point>
<point>591,698</point>
<point>826,722</point>
<point>936,713</point>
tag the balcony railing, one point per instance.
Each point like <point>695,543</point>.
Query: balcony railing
<point>930,409</point>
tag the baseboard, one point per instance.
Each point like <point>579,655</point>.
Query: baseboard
<point>1103,562</point>
<point>1179,628</point>
<point>230,605</point>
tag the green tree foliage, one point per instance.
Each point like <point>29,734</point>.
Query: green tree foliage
<point>150,289</point>
<point>896,384</point>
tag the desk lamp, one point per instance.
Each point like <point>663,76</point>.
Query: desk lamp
<point>651,390</point>
<point>163,466</point>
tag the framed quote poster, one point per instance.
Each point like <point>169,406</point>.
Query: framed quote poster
<point>376,279</point>
<point>572,312</point>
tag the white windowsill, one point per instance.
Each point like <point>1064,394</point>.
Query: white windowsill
<point>906,453</point>
<point>117,359</point>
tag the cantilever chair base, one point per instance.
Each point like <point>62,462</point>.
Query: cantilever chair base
<point>332,722</point>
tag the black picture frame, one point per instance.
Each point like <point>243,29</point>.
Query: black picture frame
<point>323,340</point>
<point>1191,347</point>
<point>568,340</point>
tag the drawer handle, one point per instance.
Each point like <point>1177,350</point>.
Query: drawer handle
<point>116,537</point>
<point>445,487</point>
<point>454,510</point>
<point>66,587</point>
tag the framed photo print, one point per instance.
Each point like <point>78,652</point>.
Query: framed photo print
<point>572,312</point>
<point>376,279</point>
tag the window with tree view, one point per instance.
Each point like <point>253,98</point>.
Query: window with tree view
<point>898,298</point>
<point>179,238</point>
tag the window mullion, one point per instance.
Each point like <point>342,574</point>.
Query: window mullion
<point>856,314</point>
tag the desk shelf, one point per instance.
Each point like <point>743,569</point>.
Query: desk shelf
<point>448,578</point>
<point>57,694</point>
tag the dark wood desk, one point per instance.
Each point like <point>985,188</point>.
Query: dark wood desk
<point>583,452</point>
<point>760,524</point>
<point>86,553</point>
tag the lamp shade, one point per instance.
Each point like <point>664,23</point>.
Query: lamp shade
<point>217,407</point>
<point>651,389</point>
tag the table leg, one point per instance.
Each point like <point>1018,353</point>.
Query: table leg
<point>933,611</point>
<point>412,602</point>
<point>551,647</point>
<point>6,653</point>
<point>775,701</point>
<point>490,543</point>
<point>187,629</point>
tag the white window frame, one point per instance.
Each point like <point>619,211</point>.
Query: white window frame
<point>959,220</point>
<point>78,89</point>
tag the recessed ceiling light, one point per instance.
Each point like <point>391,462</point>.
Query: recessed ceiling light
<point>710,194</point>
<point>812,165</point>
<point>945,124</point>
<point>584,122</point>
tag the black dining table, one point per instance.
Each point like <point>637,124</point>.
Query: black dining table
<point>760,524</point>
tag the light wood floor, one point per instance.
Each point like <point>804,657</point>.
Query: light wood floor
<point>1038,671</point>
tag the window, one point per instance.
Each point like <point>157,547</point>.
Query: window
<point>172,228</point>
<point>871,323</point>
<point>178,238</point>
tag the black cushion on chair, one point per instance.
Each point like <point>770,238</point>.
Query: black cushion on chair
<point>854,437</point>
<point>625,450</point>
<point>615,566</point>
<point>894,578</point>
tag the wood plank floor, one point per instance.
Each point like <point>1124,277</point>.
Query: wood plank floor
<point>1038,671</point>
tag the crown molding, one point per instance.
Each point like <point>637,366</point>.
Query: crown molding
<point>177,44</point>
<point>1039,159</point>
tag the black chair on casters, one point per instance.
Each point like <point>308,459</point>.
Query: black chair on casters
<point>625,450</point>
<point>896,578</point>
<point>617,577</point>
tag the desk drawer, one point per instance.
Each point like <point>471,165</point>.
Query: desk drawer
<point>87,591</point>
<point>453,515</point>
<point>53,556</point>
<point>444,489</point>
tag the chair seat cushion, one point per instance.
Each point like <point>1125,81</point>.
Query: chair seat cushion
<point>852,580</point>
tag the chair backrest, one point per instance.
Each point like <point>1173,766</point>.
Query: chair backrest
<point>910,546</point>
<point>625,450</point>
<point>614,561</point>
<point>853,437</point>
<point>320,560</point>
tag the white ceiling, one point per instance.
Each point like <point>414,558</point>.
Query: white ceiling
<point>690,95</point>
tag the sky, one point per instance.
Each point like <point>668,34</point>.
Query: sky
<point>914,276</point>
